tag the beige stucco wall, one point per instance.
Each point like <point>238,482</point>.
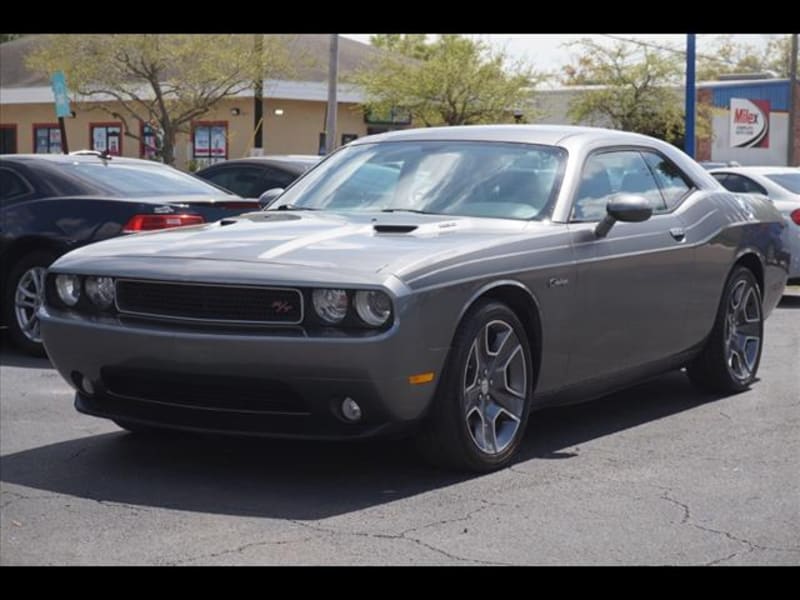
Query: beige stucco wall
<point>296,131</point>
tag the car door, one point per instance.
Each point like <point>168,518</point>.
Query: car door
<point>633,283</point>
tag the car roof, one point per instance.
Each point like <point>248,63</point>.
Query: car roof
<point>756,170</point>
<point>80,158</point>
<point>292,162</point>
<point>530,134</point>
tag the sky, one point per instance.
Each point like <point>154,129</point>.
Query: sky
<point>546,52</point>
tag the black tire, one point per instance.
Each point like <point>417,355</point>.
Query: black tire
<point>454,433</point>
<point>138,428</point>
<point>729,360</point>
<point>22,340</point>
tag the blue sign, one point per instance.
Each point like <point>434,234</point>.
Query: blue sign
<point>59,83</point>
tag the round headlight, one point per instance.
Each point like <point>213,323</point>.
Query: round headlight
<point>100,291</point>
<point>373,307</point>
<point>330,305</point>
<point>68,288</point>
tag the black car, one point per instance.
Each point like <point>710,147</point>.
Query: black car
<point>251,177</point>
<point>50,204</point>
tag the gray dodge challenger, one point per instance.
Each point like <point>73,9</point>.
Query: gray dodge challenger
<point>438,282</point>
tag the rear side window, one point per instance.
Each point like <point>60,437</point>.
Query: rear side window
<point>742,185</point>
<point>243,181</point>
<point>672,182</point>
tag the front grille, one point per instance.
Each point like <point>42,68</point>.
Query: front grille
<point>209,392</point>
<point>221,303</point>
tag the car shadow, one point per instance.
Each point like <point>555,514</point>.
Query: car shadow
<point>11,357</point>
<point>303,480</point>
<point>789,301</point>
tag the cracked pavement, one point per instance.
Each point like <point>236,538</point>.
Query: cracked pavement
<point>658,474</point>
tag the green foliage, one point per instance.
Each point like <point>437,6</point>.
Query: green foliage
<point>7,37</point>
<point>636,89</point>
<point>413,45</point>
<point>451,81</point>
<point>727,56</point>
<point>165,79</point>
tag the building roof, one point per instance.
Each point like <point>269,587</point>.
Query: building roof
<point>309,51</point>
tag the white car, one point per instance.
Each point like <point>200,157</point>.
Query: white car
<point>779,184</point>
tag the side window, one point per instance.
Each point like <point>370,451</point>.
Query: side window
<point>273,178</point>
<point>672,182</point>
<point>243,181</point>
<point>753,187</point>
<point>741,185</point>
<point>12,186</point>
<point>609,173</point>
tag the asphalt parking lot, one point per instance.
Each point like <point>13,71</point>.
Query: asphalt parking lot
<point>658,474</point>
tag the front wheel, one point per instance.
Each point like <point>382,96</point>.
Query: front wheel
<point>729,361</point>
<point>482,403</point>
<point>24,296</point>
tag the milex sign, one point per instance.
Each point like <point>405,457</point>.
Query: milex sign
<point>749,123</point>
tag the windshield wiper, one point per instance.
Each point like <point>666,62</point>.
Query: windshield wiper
<point>293,207</point>
<point>410,210</point>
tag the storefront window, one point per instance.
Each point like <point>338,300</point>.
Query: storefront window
<point>107,137</point>
<point>210,143</point>
<point>46,139</point>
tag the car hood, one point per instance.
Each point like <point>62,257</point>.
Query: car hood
<point>399,244</point>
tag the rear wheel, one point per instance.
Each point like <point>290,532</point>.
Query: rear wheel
<point>24,294</point>
<point>482,403</point>
<point>729,361</point>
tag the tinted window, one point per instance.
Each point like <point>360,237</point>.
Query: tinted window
<point>672,182</point>
<point>244,181</point>
<point>484,179</point>
<point>609,173</point>
<point>789,181</point>
<point>742,185</point>
<point>12,186</point>
<point>275,178</point>
<point>126,179</point>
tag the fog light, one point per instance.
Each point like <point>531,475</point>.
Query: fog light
<point>87,386</point>
<point>351,410</point>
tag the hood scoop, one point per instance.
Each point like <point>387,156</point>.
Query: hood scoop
<point>394,228</point>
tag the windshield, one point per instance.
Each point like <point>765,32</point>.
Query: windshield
<point>482,179</point>
<point>139,180</point>
<point>789,181</point>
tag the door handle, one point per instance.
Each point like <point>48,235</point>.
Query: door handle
<point>677,233</point>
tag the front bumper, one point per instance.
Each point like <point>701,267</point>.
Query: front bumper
<point>277,383</point>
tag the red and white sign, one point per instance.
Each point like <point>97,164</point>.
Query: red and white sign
<point>749,123</point>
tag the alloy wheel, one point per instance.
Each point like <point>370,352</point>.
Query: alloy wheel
<point>743,330</point>
<point>495,387</point>
<point>28,297</point>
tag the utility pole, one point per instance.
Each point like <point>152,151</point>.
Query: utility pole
<point>793,159</point>
<point>691,95</point>
<point>333,68</point>
<point>258,97</point>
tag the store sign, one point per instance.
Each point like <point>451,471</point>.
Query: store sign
<point>59,84</point>
<point>749,123</point>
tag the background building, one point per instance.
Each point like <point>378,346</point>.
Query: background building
<point>294,110</point>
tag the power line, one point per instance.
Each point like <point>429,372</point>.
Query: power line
<point>667,48</point>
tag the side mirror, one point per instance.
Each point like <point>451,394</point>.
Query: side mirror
<point>624,207</point>
<point>268,197</point>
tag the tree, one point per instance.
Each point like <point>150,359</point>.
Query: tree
<point>636,89</point>
<point>452,81</point>
<point>165,80</point>
<point>7,37</point>
<point>727,56</point>
<point>413,45</point>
